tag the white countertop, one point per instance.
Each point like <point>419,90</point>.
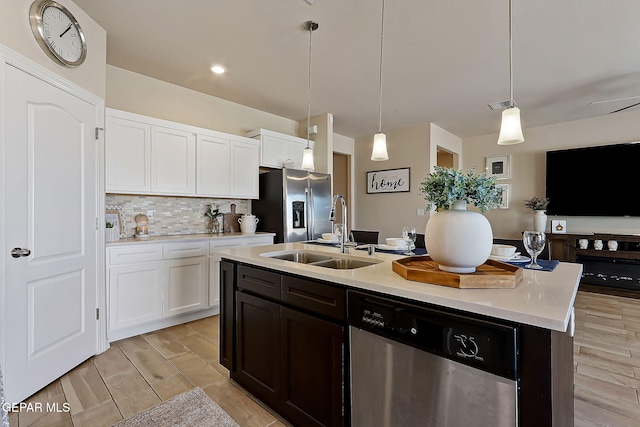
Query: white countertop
<point>184,237</point>
<point>543,299</point>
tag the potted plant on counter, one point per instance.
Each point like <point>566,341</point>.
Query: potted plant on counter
<point>213,214</point>
<point>112,234</point>
<point>457,239</point>
<point>539,206</point>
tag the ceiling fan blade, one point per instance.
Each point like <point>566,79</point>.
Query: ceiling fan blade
<point>625,108</point>
<point>614,99</point>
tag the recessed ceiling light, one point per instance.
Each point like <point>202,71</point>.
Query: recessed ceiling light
<point>218,69</point>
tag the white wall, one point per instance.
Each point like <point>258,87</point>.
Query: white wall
<point>389,212</point>
<point>140,94</point>
<point>16,34</point>
<point>528,169</point>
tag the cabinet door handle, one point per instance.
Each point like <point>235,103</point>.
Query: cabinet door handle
<point>19,252</point>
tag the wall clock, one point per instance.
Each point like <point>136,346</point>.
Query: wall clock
<point>58,32</point>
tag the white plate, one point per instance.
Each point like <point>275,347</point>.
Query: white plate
<point>321,240</point>
<point>518,258</point>
<point>392,248</point>
<point>504,258</point>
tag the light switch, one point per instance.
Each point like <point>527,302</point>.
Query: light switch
<point>420,212</point>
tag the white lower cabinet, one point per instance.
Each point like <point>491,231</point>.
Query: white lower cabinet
<point>135,294</point>
<point>154,285</point>
<point>185,287</point>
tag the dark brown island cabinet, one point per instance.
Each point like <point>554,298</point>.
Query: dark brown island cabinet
<point>283,340</point>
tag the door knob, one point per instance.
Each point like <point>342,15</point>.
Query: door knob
<point>18,252</point>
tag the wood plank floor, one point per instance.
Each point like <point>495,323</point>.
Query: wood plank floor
<point>606,360</point>
<point>139,372</point>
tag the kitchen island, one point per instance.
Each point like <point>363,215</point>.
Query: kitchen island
<point>301,313</point>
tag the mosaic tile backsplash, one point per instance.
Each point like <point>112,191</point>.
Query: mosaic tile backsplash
<point>172,215</point>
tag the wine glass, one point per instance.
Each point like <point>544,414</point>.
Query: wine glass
<point>534,244</point>
<point>338,230</point>
<point>409,236</point>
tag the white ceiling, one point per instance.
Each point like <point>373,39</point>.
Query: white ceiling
<point>444,60</point>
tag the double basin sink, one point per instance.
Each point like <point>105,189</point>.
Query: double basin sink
<point>321,259</point>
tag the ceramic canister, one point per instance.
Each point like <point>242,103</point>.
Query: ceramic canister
<point>248,223</point>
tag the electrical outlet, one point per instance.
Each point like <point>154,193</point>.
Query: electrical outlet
<point>150,214</point>
<point>420,212</point>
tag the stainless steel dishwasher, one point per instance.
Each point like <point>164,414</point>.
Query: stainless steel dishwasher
<point>416,366</point>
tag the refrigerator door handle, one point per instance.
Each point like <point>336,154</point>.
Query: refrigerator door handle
<point>309,213</point>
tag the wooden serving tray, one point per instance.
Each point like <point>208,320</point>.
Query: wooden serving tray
<point>491,274</point>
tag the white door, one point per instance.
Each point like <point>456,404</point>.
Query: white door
<point>50,212</point>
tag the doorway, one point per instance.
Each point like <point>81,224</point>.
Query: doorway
<point>342,180</point>
<point>446,159</point>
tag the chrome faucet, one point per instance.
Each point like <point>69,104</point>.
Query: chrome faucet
<point>332,218</point>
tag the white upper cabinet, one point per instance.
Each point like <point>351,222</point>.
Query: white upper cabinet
<point>173,161</point>
<point>227,166</point>
<point>277,148</point>
<point>145,155</point>
<point>128,156</point>
<point>244,166</point>
<point>213,166</point>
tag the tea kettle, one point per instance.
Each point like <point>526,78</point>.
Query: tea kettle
<point>248,223</point>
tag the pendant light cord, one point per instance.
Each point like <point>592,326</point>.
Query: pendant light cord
<point>380,81</point>
<point>309,87</point>
<point>511,102</point>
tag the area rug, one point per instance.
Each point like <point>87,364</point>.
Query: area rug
<point>189,409</point>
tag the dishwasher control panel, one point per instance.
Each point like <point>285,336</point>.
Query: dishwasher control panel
<point>478,342</point>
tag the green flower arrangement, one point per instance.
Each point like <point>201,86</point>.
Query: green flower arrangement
<point>212,213</point>
<point>537,203</point>
<point>444,186</point>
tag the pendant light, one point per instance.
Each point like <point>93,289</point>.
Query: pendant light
<point>511,129</point>
<point>379,152</point>
<point>307,154</point>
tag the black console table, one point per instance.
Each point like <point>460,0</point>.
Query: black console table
<point>605,271</point>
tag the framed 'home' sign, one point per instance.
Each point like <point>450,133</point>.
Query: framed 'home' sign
<point>388,181</point>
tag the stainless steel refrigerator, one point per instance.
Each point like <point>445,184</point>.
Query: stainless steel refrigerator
<point>294,204</point>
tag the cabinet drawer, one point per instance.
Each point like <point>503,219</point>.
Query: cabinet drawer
<point>316,297</point>
<point>259,282</point>
<point>184,250</point>
<point>258,240</point>
<point>133,254</point>
<point>223,244</point>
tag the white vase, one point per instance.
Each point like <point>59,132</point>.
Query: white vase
<point>458,240</point>
<point>540,221</point>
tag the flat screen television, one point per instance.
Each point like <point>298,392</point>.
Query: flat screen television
<point>594,181</point>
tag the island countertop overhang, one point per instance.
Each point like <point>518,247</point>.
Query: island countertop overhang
<point>541,299</point>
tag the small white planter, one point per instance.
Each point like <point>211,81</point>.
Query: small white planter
<point>458,240</point>
<point>111,235</point>
<point>540,221</point>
